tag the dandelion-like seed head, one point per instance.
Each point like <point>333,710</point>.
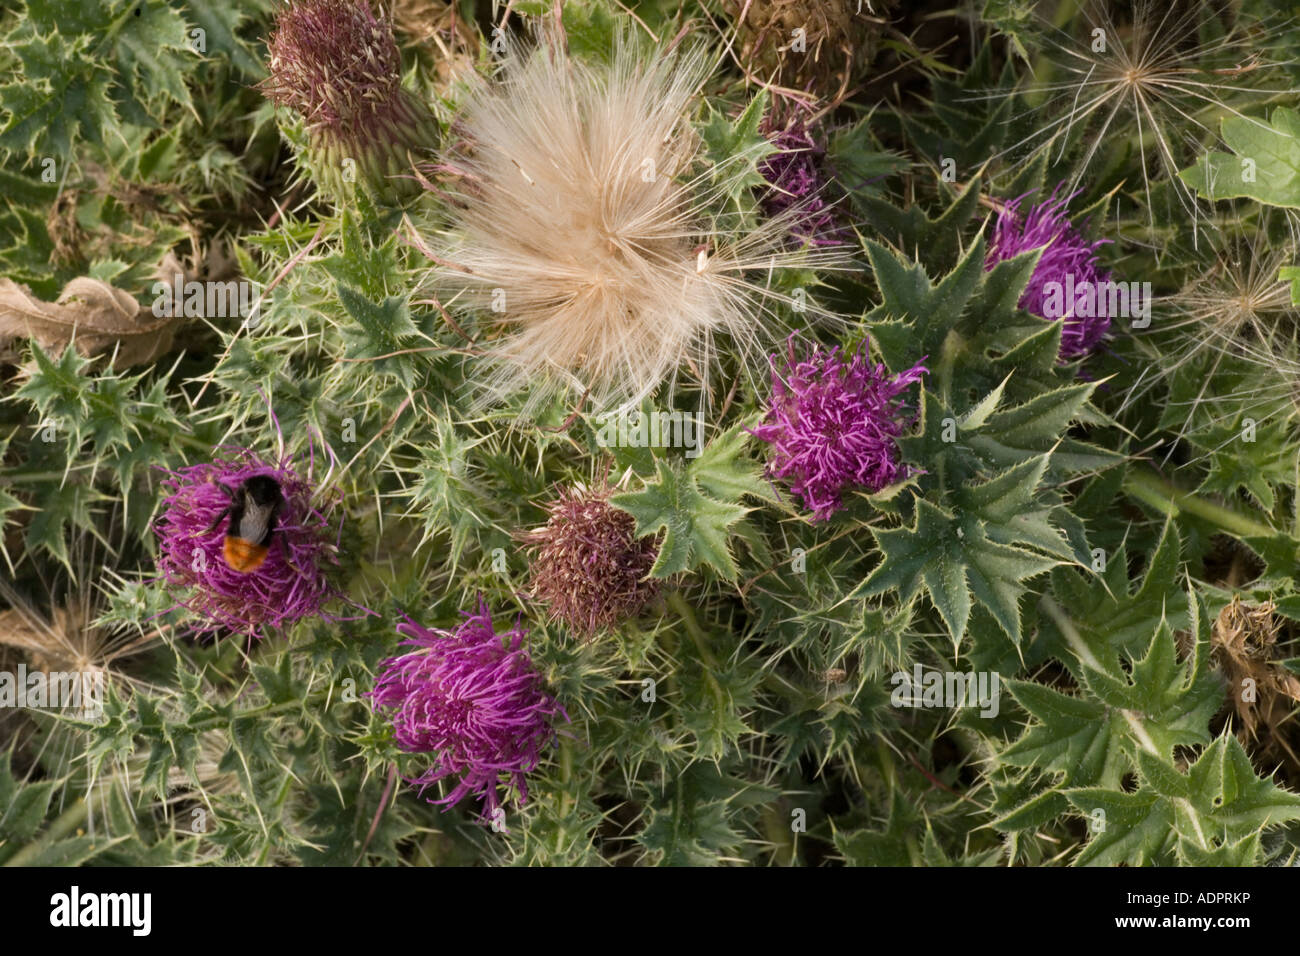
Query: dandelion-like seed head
<point>590,235</point>
<point>1158,73</point>
<point>289,585</point>
<point>1235,312</point>
<point>833,421</point>
<point>588,566</point>
<point>1068,261</point>
<point>473,700</point>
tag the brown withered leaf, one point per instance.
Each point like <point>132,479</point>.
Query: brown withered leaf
<point>1243,647</point>
<point>94,314</point>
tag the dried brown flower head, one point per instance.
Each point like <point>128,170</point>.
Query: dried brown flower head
<point>587,565</point>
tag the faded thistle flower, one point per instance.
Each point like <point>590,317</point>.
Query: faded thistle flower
<point>589,231</point>
<point>337,66</point>
<point>1065,282</point>
<point>815,45</point>
<point>833,421</point>
<point>797,175</point>
<point>587,564</point>
<point>474,701</point>
<point>285,584</point>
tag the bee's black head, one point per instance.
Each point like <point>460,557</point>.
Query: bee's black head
<point>263,490</point>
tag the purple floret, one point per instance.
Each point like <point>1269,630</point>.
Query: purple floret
<point>833,421</point>
<point>476,703</point>
<point>289,585</point>
<point>796,173</point>
<point>1068,259</point>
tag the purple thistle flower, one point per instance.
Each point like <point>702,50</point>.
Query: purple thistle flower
<point>587,564</point>
<point>1068,260</point>
<point>833,421</point>
<point>477,703</point>
<point>337,65</point>
<point>288,585</point>
<point>798,182</point>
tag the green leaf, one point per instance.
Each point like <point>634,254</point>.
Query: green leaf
<point>590,29</point>
<point>219,22</point>
<point>859,164</point>
<point>927,312</point>
<point>1102,615</point>
<point>953,559</point>
<point>721,469</point>
<point>1094,737</point>
<point>1012,435</point>
<point>84,63</point>
<point>1162,703</point>
<point>694,526</point>
<point>1006,506</point>
<point>1132,828</point>
<point>153,57</point>
<point>1258,466</point>
<point>1210,813</point>
<point>25,812</point>
<point>1244,852</point>
<point>382,324</point>
<point>1291,274</point>
<point>696,506</point>
<point>62,96</point>
<point>734,148</point>
<point>1265,167</point>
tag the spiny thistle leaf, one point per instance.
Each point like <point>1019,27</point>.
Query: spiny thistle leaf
<point>695,507</point>
<point>1218,802</point>
<point>953,559</point>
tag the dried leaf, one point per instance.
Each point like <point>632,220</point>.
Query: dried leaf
<point>98,317</point>
<point>1243,644</point>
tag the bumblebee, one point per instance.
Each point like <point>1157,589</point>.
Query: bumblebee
<point>253,510</point>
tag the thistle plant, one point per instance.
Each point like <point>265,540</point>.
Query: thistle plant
<point>699,468</point>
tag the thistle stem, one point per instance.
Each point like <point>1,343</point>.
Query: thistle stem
<point>677,601</point>
<point>1166,497</point>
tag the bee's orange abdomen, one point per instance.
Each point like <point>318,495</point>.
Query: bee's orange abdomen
<point>243,555</point>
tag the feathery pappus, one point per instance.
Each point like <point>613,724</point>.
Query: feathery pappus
<point>590,236</point>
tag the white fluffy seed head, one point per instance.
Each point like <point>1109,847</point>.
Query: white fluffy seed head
<point>587,234</point>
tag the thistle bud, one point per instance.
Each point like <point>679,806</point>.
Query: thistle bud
<point>336,65</point>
